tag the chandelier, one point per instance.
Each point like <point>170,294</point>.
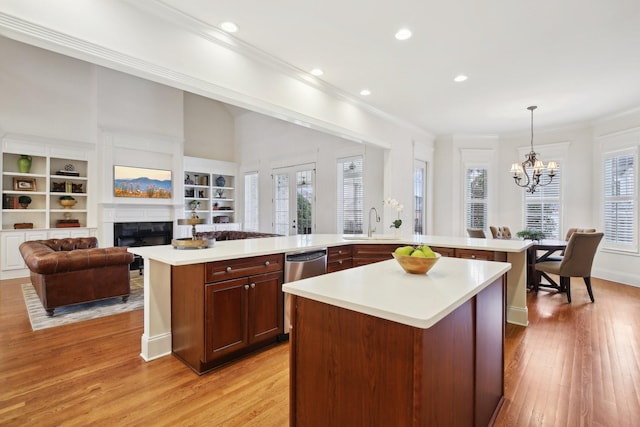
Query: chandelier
<point>536,167</point>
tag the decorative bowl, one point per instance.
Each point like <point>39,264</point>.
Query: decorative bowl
<point>416,265</point>
<point>68,203</point>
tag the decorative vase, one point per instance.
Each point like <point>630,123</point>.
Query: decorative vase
<point>24,164</point>
<point>397,233</point>
<point>220,181</point>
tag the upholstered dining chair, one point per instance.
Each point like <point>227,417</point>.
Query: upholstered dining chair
<point>578,230</point>
<point>502,232</point>
<point>476,232</point>
<point>576,262</point>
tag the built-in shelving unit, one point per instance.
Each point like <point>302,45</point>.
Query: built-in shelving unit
<point>210,185</point>
<point>58,169</point>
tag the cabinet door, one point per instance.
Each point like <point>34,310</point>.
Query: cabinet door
<point>265,306</point>
<point>226,317</point>
<point>11,258</point>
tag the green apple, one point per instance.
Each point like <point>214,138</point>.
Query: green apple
<point>418,254</point>
<point>404,250</point>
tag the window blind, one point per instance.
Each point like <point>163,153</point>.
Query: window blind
<point>251,201</point>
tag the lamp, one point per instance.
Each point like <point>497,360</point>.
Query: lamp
<point>520,169</point>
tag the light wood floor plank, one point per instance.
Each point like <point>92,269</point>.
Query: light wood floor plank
<point>576,364</point>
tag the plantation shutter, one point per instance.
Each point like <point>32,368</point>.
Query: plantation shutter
<point>542,211</point>
<point>620,200</point>
<point>350,195</point>
<point>476,198</point>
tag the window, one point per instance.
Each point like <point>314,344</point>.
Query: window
<point>419,176</point>
<point>542,208</point>
<point>251,218</point>
<point>620,196</point>
<point>350,195</point>
<point>476,198</point>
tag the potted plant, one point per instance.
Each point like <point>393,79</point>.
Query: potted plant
<point>530,235</point>
<point>24,201</point>
<point>67,201</point>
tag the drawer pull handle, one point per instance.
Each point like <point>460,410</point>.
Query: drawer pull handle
<point>266,263</point>
<point>253,285</point>
<point>228,269</point>
<point>246,287</point>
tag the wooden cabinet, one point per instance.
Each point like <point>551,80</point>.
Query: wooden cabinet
<point>339,258</point>
<point>450,252</point>
<point>223,310</point>
<point>364,254</point>
<point>475,254</point>
<point>451,374</point>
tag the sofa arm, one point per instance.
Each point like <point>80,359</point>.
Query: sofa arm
<point>44,260</point>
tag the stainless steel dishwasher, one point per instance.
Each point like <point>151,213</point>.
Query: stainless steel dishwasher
<point>301,265</point>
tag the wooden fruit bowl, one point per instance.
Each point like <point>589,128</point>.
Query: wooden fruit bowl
<point>416,265</point>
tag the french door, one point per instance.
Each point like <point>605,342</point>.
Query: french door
<point>294,200</point>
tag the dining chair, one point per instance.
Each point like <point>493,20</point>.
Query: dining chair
<point>576,262</point>
<point>578,230</point>
<point>502,232</point>
<point>476,232</point>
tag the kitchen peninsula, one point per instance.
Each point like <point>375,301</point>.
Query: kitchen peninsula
<point>378,346</point>
<point>162,264</point>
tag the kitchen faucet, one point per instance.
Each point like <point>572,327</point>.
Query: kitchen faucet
<point>371,230</point>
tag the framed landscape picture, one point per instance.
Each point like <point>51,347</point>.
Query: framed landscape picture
<point>141,183</point>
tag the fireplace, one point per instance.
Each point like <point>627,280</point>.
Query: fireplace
<point>134,234</point>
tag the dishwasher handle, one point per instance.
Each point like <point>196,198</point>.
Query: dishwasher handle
<point>306,256</point>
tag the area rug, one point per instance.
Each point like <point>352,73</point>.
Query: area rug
<point>81,312</point>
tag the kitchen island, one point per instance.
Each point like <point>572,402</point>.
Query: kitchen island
<point>161,262</point>
<point>377,346</point>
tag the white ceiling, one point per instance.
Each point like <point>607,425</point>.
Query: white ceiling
<point>577,60</point>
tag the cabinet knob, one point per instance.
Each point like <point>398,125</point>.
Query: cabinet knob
<point>473,257</point>
<point>228,269</point>
<point>340,262</point>
<point>266,263</point>
<point>339,252</point>
<point>253,285</point>
<point>246,287</point>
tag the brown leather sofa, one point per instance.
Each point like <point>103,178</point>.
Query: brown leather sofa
<point>232,235</point>
<point>73,271</point>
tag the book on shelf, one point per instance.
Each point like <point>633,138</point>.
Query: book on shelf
<point>10,202</point>
<point>66,223</point>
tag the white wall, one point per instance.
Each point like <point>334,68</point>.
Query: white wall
<point>266,143</point>
<point>208,129</point>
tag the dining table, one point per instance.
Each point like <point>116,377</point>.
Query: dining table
<point>540,251</point>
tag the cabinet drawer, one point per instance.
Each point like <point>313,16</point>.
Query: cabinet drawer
<point>475,254</point>
<point>367,254</point>
<point>340,264</point>
<point>339,252</point>
<point>231,269</point>
<point>451,252</point>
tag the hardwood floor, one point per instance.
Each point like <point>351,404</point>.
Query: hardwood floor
<point>576,364</point>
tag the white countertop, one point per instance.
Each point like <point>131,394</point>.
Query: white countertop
<point>386,291</point>
<point>231,249</point>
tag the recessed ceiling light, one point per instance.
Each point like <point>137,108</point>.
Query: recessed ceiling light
<point>403,34</point>
<point>460,78</point>
<point>317,72</point>
<point>229,27</point>
<point>365,92</point>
